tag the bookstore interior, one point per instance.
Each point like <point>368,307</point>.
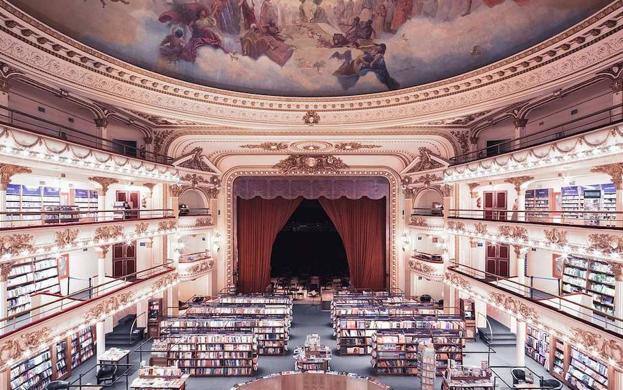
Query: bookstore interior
<point>440,209</point>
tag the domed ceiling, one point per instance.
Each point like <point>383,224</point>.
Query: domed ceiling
<point>310,47</point>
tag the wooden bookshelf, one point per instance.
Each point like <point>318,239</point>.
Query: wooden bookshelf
<point>155,311</point>
<point>82,346</point>
<point>230,354</point>
<point>28,277</point>
<point>538,346</point>
<point>592,277</point>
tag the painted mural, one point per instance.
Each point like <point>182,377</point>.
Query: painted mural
<point>311,47</point>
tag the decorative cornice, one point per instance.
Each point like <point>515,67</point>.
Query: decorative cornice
<point>267,146</point>
<point>310,164</point>
<point>350,146</point>
<point>29,43</point>
<point>105,182</point>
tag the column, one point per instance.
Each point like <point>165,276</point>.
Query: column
<point>103,260</point>
<point>520,351</point>
<point>141,314</point>
<point>100,337</point>
<point>102,132</point>
<point>4,98</point>
<point>173,194</point>
<point>480,308</point>
<point>5,270</point>
<point>520,131</point>
<point>517,182</point>
<point>105,183</point>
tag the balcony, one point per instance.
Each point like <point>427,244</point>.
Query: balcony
<point>194,219</point>
<point>427,265</point>
<point>59,316</point>
<point>600,219</point>
<point>600,139</point>
<point>427,220</point>
<point>562,316</point>
<point>23,121</point>
<point>194,265</point>
<point>43,143</point>
<point>71,216</point>
<point>607,116</point>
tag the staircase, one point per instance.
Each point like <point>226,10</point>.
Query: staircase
<point>120,336</point>
<point>498,336</point>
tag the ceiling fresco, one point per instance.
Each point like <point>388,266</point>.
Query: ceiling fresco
<point>310,47</point>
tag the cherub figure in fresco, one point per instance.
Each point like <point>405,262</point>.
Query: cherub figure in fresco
<point>372,60</point>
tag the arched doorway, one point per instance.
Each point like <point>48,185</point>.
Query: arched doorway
<point>309,245</point>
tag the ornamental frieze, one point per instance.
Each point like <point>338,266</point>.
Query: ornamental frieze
<point>455,225</point>
<point>202,222</point>
<point>480,228</point>
<point>108,306</point>
<point>513,232</point>
<point>13,349</point>
<point>418,221</point>
<point>458,281</point>
<point>167,225</point>
<point>426,270</point>
<point>516,306</point>
<point>607,243</point>
<point>556,236</point>
<point>141,228</point>
<point>610,348</point>
<point>310,164</point>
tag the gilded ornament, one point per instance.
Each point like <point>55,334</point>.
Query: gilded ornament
<point>518,181</point>
<point>13,349</point>
<point>311,118</point>
<point>66,237</point>
<point>201,222</point>
<point>141,228</point>
<point>8,170</point>
<point>267,146</point>
<point>607,243</point>
<point>105,182</point>
<point>615,171</point>
<point>349,146</point>
<point>418,221</point>
<point>108,232</point>
<point>166,225</point>
<point>310,164</point>
<point>15,244</point>
<point>425,161</point>
<point>556,236</point>
<point>514,232</point>
<point>5,270</point>
<point>481,228</point>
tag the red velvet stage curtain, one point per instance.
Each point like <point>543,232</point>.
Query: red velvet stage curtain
<point>259,222</point>
<point>361,225</point>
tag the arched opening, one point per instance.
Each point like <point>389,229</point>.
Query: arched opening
<point>428,202</point>
<point>193,199</point>
<point>309,246</point>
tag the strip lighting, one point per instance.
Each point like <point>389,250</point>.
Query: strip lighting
<point>561,335</point>
<point>59,335</point>
<point>582,151</point>
<point>562,249</point>
<point>86,243</point>
<point>92,163</point>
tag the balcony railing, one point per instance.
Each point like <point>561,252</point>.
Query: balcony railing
<point>424,212</point>
<point>562,304</point>
<point>45,127</point>
<point>195,212</point>
<point>55,305</point>
<point>592,121</point>
<point>25,219</point>
<point>194,257</point>
<point>599,218</point>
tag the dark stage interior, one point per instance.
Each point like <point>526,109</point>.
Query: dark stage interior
<point>309,245</point>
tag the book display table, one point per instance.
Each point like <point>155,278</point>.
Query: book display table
<point>312,356</point>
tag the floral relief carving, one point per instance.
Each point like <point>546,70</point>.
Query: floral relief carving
<point>348,146</point>
<point>141,228</point>
<point>610,349</point>
<point>167,225</point>
<point>201,222</point>
<point>13,349</point>
<point>418,221</point>
<point>516,306</point>
<point>455,225</point>
<point>311,118</point>
<point>425,161</point>
<point>16,243</point>
<point>615,171</point>
<point>7,171</point>
<point>109,305</point>
<point>607,243</point>
<point>513,232</point>
<point>108,232</point>
<point>446,190</point>
<point>105,182</point>
<point>5,270</point>
<point>267,146</point>
<point>556,236</point>
<point>518,181</point>
<point>66,237</point>
<point>176,190</point>
<point>481,228</point>
<point>310,164</point>
<point>457,281</point>
<point>427,179</point>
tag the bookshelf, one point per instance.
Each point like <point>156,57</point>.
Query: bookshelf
<point>354,334</point>
<point>467,309</point>
<point>256,311</point>
<point>272,334</point>
<point>396,352</point>
<point>592,277</point>
<point>60,362</point>
<point>426,365</point>
<point>32,374</point>
<point>82,346</point>
<point>558,363</point>
<point>537,346</point>
<point>538,203</point>
<point>230,354</point>
<point>28,277</point>
<point>572,203</point>
<point>586,373</point>
<point>154,313</point>
<point>86,200</point>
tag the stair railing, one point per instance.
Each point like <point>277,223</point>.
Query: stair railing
<point>134,323</point>
<point>490,340</point>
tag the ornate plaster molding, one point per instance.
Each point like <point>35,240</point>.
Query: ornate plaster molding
<point>428,271</point>
<point>32,45</point>
<point>556,236</point>
<point>66,237</point>
<point>310,164</point>
<point>517,181</point>
<point>392,206</point>
<point>267,146</point>
<point>615,171</point>
<point>14,244</point>
<point>104,182</point>
<point>109,232</point>
<point>7,171</point>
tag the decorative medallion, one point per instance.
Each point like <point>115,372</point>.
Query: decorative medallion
<point>14,244</point>
<point>310,164</point>
<point>66,237</point>
<point>105,182</point>
<point>268,146</point>
<point>111,232</point>
<point>311,118</point>
<point>311,146</point>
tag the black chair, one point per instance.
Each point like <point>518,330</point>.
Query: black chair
<point>106,373</point>
<point>551,384</point>
<point>519,376</point>
<point>57,385</point>
<point>426,298</point>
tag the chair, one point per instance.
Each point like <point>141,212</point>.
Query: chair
<point>57,385</point>
<point>551,384</point>
<point>426,298</point>
<point>106,373</point>
<point>519,376</point>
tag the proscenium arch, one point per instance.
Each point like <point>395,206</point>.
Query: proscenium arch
<point>393,267</point>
